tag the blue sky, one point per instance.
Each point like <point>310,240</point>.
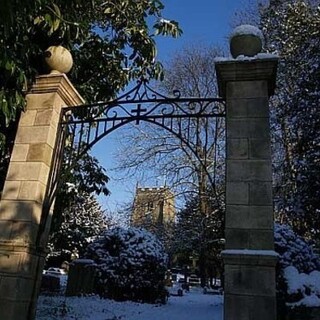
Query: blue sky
<point>205,21</point>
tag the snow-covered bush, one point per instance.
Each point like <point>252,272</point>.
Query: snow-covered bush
<point>298,268</point>
<point>294,251</point>
<point>131,265</point>
<point>302,286</point>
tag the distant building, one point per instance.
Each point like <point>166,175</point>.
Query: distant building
<point>153,208</point>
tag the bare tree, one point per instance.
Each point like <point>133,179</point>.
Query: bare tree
<point>192,163</point>
<point>149,152</point>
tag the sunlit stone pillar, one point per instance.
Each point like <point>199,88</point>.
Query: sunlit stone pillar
<point>21,258</point>
<point>249,257</point>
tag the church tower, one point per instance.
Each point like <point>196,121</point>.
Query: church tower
<point>153,208</point>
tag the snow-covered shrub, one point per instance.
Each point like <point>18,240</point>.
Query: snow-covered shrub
<point>297,270</point>
<point>304,286</point>
<point>131,265</point>
<point>293,250</point>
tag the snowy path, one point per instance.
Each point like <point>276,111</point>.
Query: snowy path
<point>192,306</point>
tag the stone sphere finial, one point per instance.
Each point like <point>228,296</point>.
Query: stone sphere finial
<point>246,40</point>
<point>58,59</point>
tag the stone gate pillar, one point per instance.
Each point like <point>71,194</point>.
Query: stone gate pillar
<point>21,259</point>
<point>249,258</point>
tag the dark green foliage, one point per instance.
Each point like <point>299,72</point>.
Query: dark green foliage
<point>111,42</point>
<point>86,173</point>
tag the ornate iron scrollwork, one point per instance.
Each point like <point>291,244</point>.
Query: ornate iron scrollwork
<point>89,123</point>
<point>83,126</point>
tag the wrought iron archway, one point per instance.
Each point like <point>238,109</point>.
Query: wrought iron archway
<point>81,127</point>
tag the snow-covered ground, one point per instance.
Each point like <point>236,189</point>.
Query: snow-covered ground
<point>192,305</point>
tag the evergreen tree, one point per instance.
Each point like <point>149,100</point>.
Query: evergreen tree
<point>200,236</point>
<point>76,185</point>
<point>292,29</point>
<point>80,224</point>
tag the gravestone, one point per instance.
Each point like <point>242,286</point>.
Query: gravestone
<point>81,277</point>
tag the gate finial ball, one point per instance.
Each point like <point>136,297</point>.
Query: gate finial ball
<point>58,59</point>
<point>246,40</point>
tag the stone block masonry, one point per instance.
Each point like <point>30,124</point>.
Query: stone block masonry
<point>21,206</point>
<point>249,258</point>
